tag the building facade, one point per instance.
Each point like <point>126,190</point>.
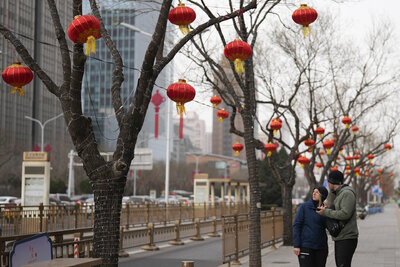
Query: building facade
<point>31,22</point>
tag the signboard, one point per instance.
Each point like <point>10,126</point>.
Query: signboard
<point>220,164</point>
<point>201,195</point>
<point>31,250</point>
<point>35,156</point>
<point>375,189</point>
<point>153,194</point>
<point>35,185</point>
<point>34,190</point>
<point>143,159</point>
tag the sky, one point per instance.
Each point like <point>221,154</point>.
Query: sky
<point>357,17</point>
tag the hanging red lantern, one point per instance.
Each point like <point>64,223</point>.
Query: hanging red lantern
<point>17,75</point>
<point>309,142</point>
<point>370,158</point>
<point>346,120</point>
<point>305,16</point>
<point>334,168</point>
<point>348,159</point>
<point>328,144</point>
<point>348,167</point>
<point>388,147</point>
<point>380,171</point>
<point>366,175</point>
<point>357,171</point>
<point>303,161</point>
<point>85,29</point>
<point>237,51</point>
<point>215,100</point>
<point>157,100</point>
<point>355,129</point>
<point>321,152</point>
<point>270,147</point>
<point>319,165</point>
<point>237,147</point>
<point>320,131</point>
<point>222,114</point>
<point>340,150</point>
<point>390,175</point>
<point>356,157</point>
<point>275,125</point>
<point>182,16</point>
<point>181,92</point>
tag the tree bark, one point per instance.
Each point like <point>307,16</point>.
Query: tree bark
<point>287,214</point>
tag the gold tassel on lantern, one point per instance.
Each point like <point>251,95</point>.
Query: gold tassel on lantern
<point>237,153</point>
<point>239,66</point>
<point>180,108</point>
<point>307,31</point>
<point>19,90</point>
<point>90,45</point>
<point>328,151</point>
<point>269,154</point>
<point>184,29</point>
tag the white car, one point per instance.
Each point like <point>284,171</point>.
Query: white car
<point>7,199</point>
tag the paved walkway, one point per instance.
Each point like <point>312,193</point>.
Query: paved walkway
<point>378,244</point>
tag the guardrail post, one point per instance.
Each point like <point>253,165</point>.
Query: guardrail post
<point>236,260</point>
<point>165,213</point>
<point>197,236</point>
<point>177,240</point>
<point>150,234</point>
<point>121,252</point>
<point>273,228</point>
<point>41,217</point>
<point>205,210</point>
<point>127,215</point>
<point>147,213</point>
<point>214,232</point>
<point>187,264</point>
<point>76,215</point>
<point>194,211</point>
<point>180,212</point>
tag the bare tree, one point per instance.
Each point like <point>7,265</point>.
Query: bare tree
<point>108,178</point>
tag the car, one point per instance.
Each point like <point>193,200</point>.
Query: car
<point>81,198</point>
<point>141,199</point>
<point>297,201</point>
<point>7,200</point>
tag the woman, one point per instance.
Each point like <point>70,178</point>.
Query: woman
<point>309,235</point>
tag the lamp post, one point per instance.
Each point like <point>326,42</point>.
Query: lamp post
<point>42,125</point>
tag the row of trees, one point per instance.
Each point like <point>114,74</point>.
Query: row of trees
<point>304,82</point>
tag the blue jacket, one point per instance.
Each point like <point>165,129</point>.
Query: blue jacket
<point>309,228</point>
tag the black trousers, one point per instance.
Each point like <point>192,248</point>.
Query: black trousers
<point>344,250</point>
<point>312,257</point>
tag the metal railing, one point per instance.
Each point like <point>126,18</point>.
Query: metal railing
<point>20,220</point>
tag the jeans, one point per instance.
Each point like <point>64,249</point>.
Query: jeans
<point>312,257</point>
<point>344,250</point>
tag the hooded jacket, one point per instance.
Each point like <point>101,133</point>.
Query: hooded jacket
<point>309,228</point>
<point>345,210</point>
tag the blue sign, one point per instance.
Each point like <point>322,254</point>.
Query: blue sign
<point>30,250</point>
<point>375,189</point>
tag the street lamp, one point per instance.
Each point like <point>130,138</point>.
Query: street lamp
<point>42,125</point>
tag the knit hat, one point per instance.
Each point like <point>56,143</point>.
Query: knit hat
<point>335,177</point>
<point>323,192</point>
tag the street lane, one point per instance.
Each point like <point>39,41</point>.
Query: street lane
<point>205,253</point>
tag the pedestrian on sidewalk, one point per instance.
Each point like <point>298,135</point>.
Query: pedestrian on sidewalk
<point>309,235</point>
<point>345,211</point>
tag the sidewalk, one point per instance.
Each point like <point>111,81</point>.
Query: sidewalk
<point>378,244</point>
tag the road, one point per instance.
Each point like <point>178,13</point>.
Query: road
<point>205,253</point>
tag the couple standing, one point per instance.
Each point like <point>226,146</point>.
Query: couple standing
<point>309,229</point>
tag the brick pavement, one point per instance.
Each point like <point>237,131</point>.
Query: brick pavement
<point>378,244</point>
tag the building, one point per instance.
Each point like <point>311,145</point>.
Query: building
<point>31,22</point>
<point>132,46</point>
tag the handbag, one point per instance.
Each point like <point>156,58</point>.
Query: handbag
<point>334,226</point>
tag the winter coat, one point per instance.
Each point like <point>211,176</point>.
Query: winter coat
<point>309,228</point>
<point>345,209</point>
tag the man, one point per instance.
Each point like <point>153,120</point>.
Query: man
<point>344,210</point>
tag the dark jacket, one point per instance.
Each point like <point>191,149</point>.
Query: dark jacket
<point>345,209</point>
<point>309,228</point>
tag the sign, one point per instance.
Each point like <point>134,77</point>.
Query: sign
<point>375,189</point>
<point>31,250</point>
<point>143,159</point>
<point>35,156</point>
<point>35,184</point>
<point>220,164</point>
<point>234,164</point>
<point>34,190</point>
<point>153,194</point>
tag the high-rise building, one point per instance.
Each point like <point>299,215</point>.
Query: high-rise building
<point>132,46</point>
<point>31,22</point>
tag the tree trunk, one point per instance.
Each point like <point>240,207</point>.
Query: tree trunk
<point>108,191</point>
<point>287,214</point>
<point>255,196</point>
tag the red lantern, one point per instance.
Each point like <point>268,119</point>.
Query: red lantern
<point>237,147</point>
<point>390,175</point>
<point>340,150</point>
<point>309,142</point>
<point>157,100</point>
<point>270,147</point>
<point>17,75</point>
<point>380,171</point>
<point>370,158</point>
<point>181,92</point>
<point>276,124</point>
<point>237,51</point>
<point>321,152</point>
<point>222,114</point>
<point>357,171</point>
<point>320,131</point>
<point>348,158</point>
<point>355,129</point>
<point>334,168</point>
<point>85,29</point>
<point>346,120</point>
<point>215,100</point>
<point>328,144</point>
<point>356,157</point>
<point>303,161</point>
<point>388,147</point>
<point>182,16</point>
<point>319,165</point>
<point>304,16</point>
<point>348,167</point>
